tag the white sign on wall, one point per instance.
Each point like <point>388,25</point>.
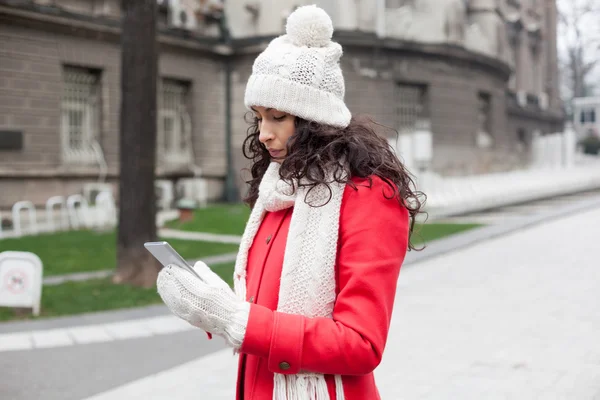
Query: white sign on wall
<point>20,280</point>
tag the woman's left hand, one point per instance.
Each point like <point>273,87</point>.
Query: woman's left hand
<point>207,303</point>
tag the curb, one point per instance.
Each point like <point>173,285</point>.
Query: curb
<point>92,318</point>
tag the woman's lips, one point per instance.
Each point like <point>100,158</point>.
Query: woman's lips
<point>274,153</point>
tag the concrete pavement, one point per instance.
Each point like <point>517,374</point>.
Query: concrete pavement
<point>79,371</point>
<point>515,317</point>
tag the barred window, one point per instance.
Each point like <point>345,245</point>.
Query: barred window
<point>80,122</point>
<point>484,137</point>
<point>484,112</point>
<point>174,123</point>
<point>411,106</point>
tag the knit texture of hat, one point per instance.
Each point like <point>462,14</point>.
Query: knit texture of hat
<point>299,72</point>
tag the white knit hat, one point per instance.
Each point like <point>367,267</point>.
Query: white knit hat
<point>299,72</point>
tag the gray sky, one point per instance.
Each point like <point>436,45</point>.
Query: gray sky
<point>592,31</point>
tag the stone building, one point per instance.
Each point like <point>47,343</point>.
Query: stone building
<point>481,74</point>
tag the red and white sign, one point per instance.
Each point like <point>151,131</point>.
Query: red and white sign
<point>20,280</point>
<point>15,281</point>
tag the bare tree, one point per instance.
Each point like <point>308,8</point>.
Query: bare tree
<point>580,34</point>
<point>137,205</point>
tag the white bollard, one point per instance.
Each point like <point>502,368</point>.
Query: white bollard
<point>78,216</point>
<point>63,215</point>
<point>106,209</point>
<point>16,215</point>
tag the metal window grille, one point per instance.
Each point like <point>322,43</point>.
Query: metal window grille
<point>410,106</point>
<point>174,124</point>
<point>79,114</point>
<point>484,110</point>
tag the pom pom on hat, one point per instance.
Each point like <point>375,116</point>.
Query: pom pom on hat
<point>309,26</point>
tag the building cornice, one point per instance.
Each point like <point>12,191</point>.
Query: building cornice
<point>59,21</point>
<point>435,51</point>
<point>534,114</point>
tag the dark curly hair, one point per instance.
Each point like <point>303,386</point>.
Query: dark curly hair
<point>315,149</point>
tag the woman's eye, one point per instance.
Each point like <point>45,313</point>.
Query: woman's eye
<point>280,118</point>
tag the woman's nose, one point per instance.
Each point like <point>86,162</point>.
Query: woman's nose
<point>265,135</point>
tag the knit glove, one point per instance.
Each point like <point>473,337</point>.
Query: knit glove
<point>207,303</point>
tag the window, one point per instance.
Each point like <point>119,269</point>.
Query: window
<point>484,111</point>
<point>174,124</point>
<point>411,106</point>
<point>587,115</point>
<point>80,122</point>
<point>484,136</point>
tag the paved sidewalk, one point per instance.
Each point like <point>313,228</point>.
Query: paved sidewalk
<point>516,317</point>
<point>95,333</point>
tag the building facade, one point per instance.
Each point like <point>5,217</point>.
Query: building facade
<point>480,74</point>
<point>586,116</point>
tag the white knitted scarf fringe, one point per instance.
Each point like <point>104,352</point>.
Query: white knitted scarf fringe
<point>308,284</point>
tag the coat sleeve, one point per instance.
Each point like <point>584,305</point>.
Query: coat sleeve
<point>373,244</point>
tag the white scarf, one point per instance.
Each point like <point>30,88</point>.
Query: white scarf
<point>308,285</point>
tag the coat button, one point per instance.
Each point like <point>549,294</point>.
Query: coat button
<point>284,365</point>
<point>269,238</point>
<point>251,299</point>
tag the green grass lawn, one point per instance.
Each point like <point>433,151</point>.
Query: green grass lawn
<point>225,219</point>
<point>83,251</point>
<point>425,233</point>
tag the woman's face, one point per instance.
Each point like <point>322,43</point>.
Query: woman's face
<point>275,127</point>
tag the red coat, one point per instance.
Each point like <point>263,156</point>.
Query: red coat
<point>373,239</point>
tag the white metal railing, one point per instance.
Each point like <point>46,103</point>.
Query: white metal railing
<point>79,211</point>
<point>76,212</point>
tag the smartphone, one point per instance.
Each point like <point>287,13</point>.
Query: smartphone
<point>167,255</point>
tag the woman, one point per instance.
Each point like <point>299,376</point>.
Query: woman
<point>332,208</point>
